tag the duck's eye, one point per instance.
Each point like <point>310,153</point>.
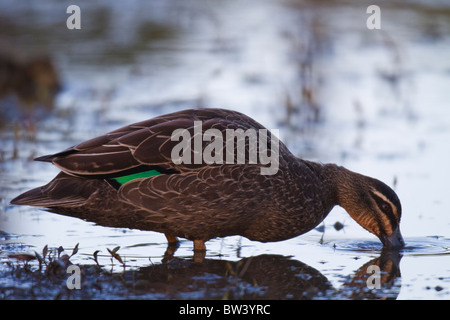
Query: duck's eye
<point>386,207</point>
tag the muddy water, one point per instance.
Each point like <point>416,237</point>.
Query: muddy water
<point>375,101</point>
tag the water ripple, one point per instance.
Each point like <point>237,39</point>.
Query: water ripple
<point>415,246</point>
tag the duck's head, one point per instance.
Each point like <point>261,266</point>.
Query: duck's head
<point>372,204</point>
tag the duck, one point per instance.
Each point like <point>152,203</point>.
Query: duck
<point>128,178</point>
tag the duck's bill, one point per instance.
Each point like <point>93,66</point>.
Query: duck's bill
<point>394,241</point>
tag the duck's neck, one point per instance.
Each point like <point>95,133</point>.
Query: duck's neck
<point>328,176</point>
<point>347,187</point>
<point>339,184</point>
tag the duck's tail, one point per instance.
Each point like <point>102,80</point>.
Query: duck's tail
<point>32,197</point>
<point>62,191</point>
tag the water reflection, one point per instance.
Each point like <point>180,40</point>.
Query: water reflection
<point>376,279</point>
<point>272,277</point>
<point>264,276</point>
<point>258,277</point>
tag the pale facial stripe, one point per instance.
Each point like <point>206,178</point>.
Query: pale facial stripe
<point>384,198</point>
<point>387,221</point>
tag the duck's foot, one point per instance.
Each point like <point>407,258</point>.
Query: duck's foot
<point>199,251</point>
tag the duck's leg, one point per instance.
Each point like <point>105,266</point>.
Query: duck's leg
<point>199,251</point>
<point>199,245</point>
<point>172,240</point>
<point>172,246</point>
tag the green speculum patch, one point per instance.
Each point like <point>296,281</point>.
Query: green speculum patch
<point>144,174</point>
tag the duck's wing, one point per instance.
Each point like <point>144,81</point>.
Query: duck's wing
<point>184,201</point>
<point>147,143</point>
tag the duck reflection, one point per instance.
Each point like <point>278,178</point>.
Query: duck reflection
<point>274,277</point>
<point>259,277</point>
<point>266,277</point>
<point>376,279</point>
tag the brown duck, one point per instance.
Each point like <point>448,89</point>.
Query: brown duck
<point>126,178</point>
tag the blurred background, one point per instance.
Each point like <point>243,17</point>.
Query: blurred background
<point>375,101</point>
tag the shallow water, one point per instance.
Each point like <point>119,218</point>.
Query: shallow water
<point>373,101</point>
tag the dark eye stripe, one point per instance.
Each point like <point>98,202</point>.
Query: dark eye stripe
<point>393,219</point>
